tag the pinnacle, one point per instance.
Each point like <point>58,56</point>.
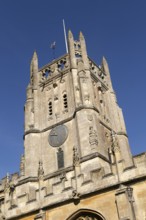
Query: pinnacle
<point>81,36</point>
<point>35,56</point>
<point>70,35</point>
<point>104,60</point>
<point>104,64</point>
<point>107,72</point>
<point>34,63</point>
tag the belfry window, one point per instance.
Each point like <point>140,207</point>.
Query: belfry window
<point>65,103</point>
<point>50,108</point>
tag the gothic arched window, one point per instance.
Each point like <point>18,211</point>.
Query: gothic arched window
<point>85,214</point>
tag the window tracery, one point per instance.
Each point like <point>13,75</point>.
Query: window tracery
<point>86,215</point>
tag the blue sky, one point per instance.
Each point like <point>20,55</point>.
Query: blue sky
<point>115,29</point>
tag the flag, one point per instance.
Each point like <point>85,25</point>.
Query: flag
<point>53,45</point>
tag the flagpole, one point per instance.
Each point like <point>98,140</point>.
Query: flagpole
<point>65,36</point>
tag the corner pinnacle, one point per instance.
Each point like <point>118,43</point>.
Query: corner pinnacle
<point>104,61</point>
<point>35,56</point>
<point>70,35</point>
<point>81,36</point>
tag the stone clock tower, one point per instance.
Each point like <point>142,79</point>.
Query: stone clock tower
<point>77,163</point>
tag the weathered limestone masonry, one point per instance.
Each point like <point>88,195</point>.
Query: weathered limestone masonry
<point>77,163</point>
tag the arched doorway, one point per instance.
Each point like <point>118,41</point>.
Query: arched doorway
<point>86,214</point>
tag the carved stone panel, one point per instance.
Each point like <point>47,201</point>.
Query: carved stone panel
<point>93,139</point>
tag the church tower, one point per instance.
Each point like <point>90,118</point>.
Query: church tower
<point>71,106</point>
<point>77,163</point>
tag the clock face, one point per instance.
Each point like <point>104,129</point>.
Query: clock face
<point>58,135</point>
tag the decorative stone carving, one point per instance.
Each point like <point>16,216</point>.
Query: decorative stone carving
<point>40,216</point>
<point>108,137</point>
<point>9,189</point>
<point>93,140</point>
<point>76,158</point>
<point>12,195</point>
<point>75,194</point>
<point>111,154</point>
<point>40,170</point>
<point>7,184</point>
<point>114,140</point>
<point>63,176</point>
